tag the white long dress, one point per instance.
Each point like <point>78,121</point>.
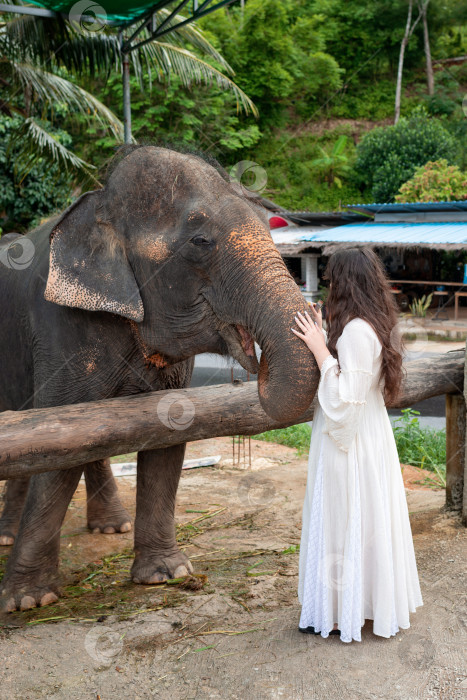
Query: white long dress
<point>357,560</point>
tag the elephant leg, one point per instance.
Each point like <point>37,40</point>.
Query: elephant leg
<point>14,497</point>
<point>105,513</point>
<point>157,556</point>
<point>31,577</point>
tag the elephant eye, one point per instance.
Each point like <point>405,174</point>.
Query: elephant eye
<point>200,240</point>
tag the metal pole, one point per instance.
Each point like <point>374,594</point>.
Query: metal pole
<point>126,90</point>
<point>126,98</point>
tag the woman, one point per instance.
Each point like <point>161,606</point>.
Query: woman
<point>357,560</point>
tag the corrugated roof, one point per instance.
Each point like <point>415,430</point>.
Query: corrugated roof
<point>433,235</point>
<point>329,218</point>
<point>404,207</point>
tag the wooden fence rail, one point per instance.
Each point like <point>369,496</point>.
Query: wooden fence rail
<point>47,439</point>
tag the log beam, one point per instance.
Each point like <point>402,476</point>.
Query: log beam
<point>48,439</point>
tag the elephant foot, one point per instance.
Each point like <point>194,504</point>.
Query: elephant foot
<point>107,516</point>
<point>24,596</point>
<point>158,568</point>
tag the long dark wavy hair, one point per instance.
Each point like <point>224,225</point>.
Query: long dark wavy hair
<point>359,288</point>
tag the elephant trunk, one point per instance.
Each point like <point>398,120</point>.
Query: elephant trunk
<point>288,374</point>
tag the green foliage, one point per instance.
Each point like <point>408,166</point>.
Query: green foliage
<point>45,189</point>
<point>293,180</point>
<point>279,55</point>
<point>204,118</point>
<point>297,436</point>
<point>420,447</point>
<point>435,182</point>
<point>420,306</point>
<point>375,29</point>
<point>448,37</point>
<point>389,156</point>
<point>366,100</point>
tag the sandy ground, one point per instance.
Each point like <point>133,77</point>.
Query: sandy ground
<point>233,634</point>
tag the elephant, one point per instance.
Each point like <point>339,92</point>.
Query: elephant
<point>169,259</point>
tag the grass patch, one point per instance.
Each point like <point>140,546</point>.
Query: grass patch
<point>297,436</point>
<point>421,447</point>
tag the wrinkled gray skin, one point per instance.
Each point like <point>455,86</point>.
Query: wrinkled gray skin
<point>167,261</point>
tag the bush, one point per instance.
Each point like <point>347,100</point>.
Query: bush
<point>389,156</point>
<point>435,182</point>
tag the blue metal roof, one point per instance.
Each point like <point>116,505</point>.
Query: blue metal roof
<point>404,233</point>
<point>404,207</point>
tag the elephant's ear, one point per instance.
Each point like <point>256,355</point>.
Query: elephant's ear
<point>89,268</point>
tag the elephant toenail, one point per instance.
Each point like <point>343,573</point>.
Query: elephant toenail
<point>27,602</point>
<point>48,598</point>
<point>158,578</point>
<point>10,605</point>
<point>126,527</point>
<point>6,541</point>
<point>109,530</point>
<point>180,571</point>
<point>96,531</point>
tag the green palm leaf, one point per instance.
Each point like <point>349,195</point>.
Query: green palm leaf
<point>56,43</point>
<point>191,34</point>
<point>50,88</point>
<point>33,142</point>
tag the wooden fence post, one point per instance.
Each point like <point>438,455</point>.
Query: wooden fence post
<point>455,450</point>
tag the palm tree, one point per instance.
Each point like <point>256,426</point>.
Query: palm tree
<point>41,61</point>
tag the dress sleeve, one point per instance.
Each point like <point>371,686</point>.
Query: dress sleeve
<point>344,385</point>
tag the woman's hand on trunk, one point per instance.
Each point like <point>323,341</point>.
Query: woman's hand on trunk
<point>312,336</point>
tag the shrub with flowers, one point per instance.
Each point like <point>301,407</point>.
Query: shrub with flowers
<point>435,182</point>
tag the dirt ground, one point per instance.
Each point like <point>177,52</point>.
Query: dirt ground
<point>231,631</point>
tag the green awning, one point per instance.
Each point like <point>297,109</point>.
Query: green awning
<point>121,13</point>
<point>114,11</point>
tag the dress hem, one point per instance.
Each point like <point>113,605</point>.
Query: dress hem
<point>377,634</point>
